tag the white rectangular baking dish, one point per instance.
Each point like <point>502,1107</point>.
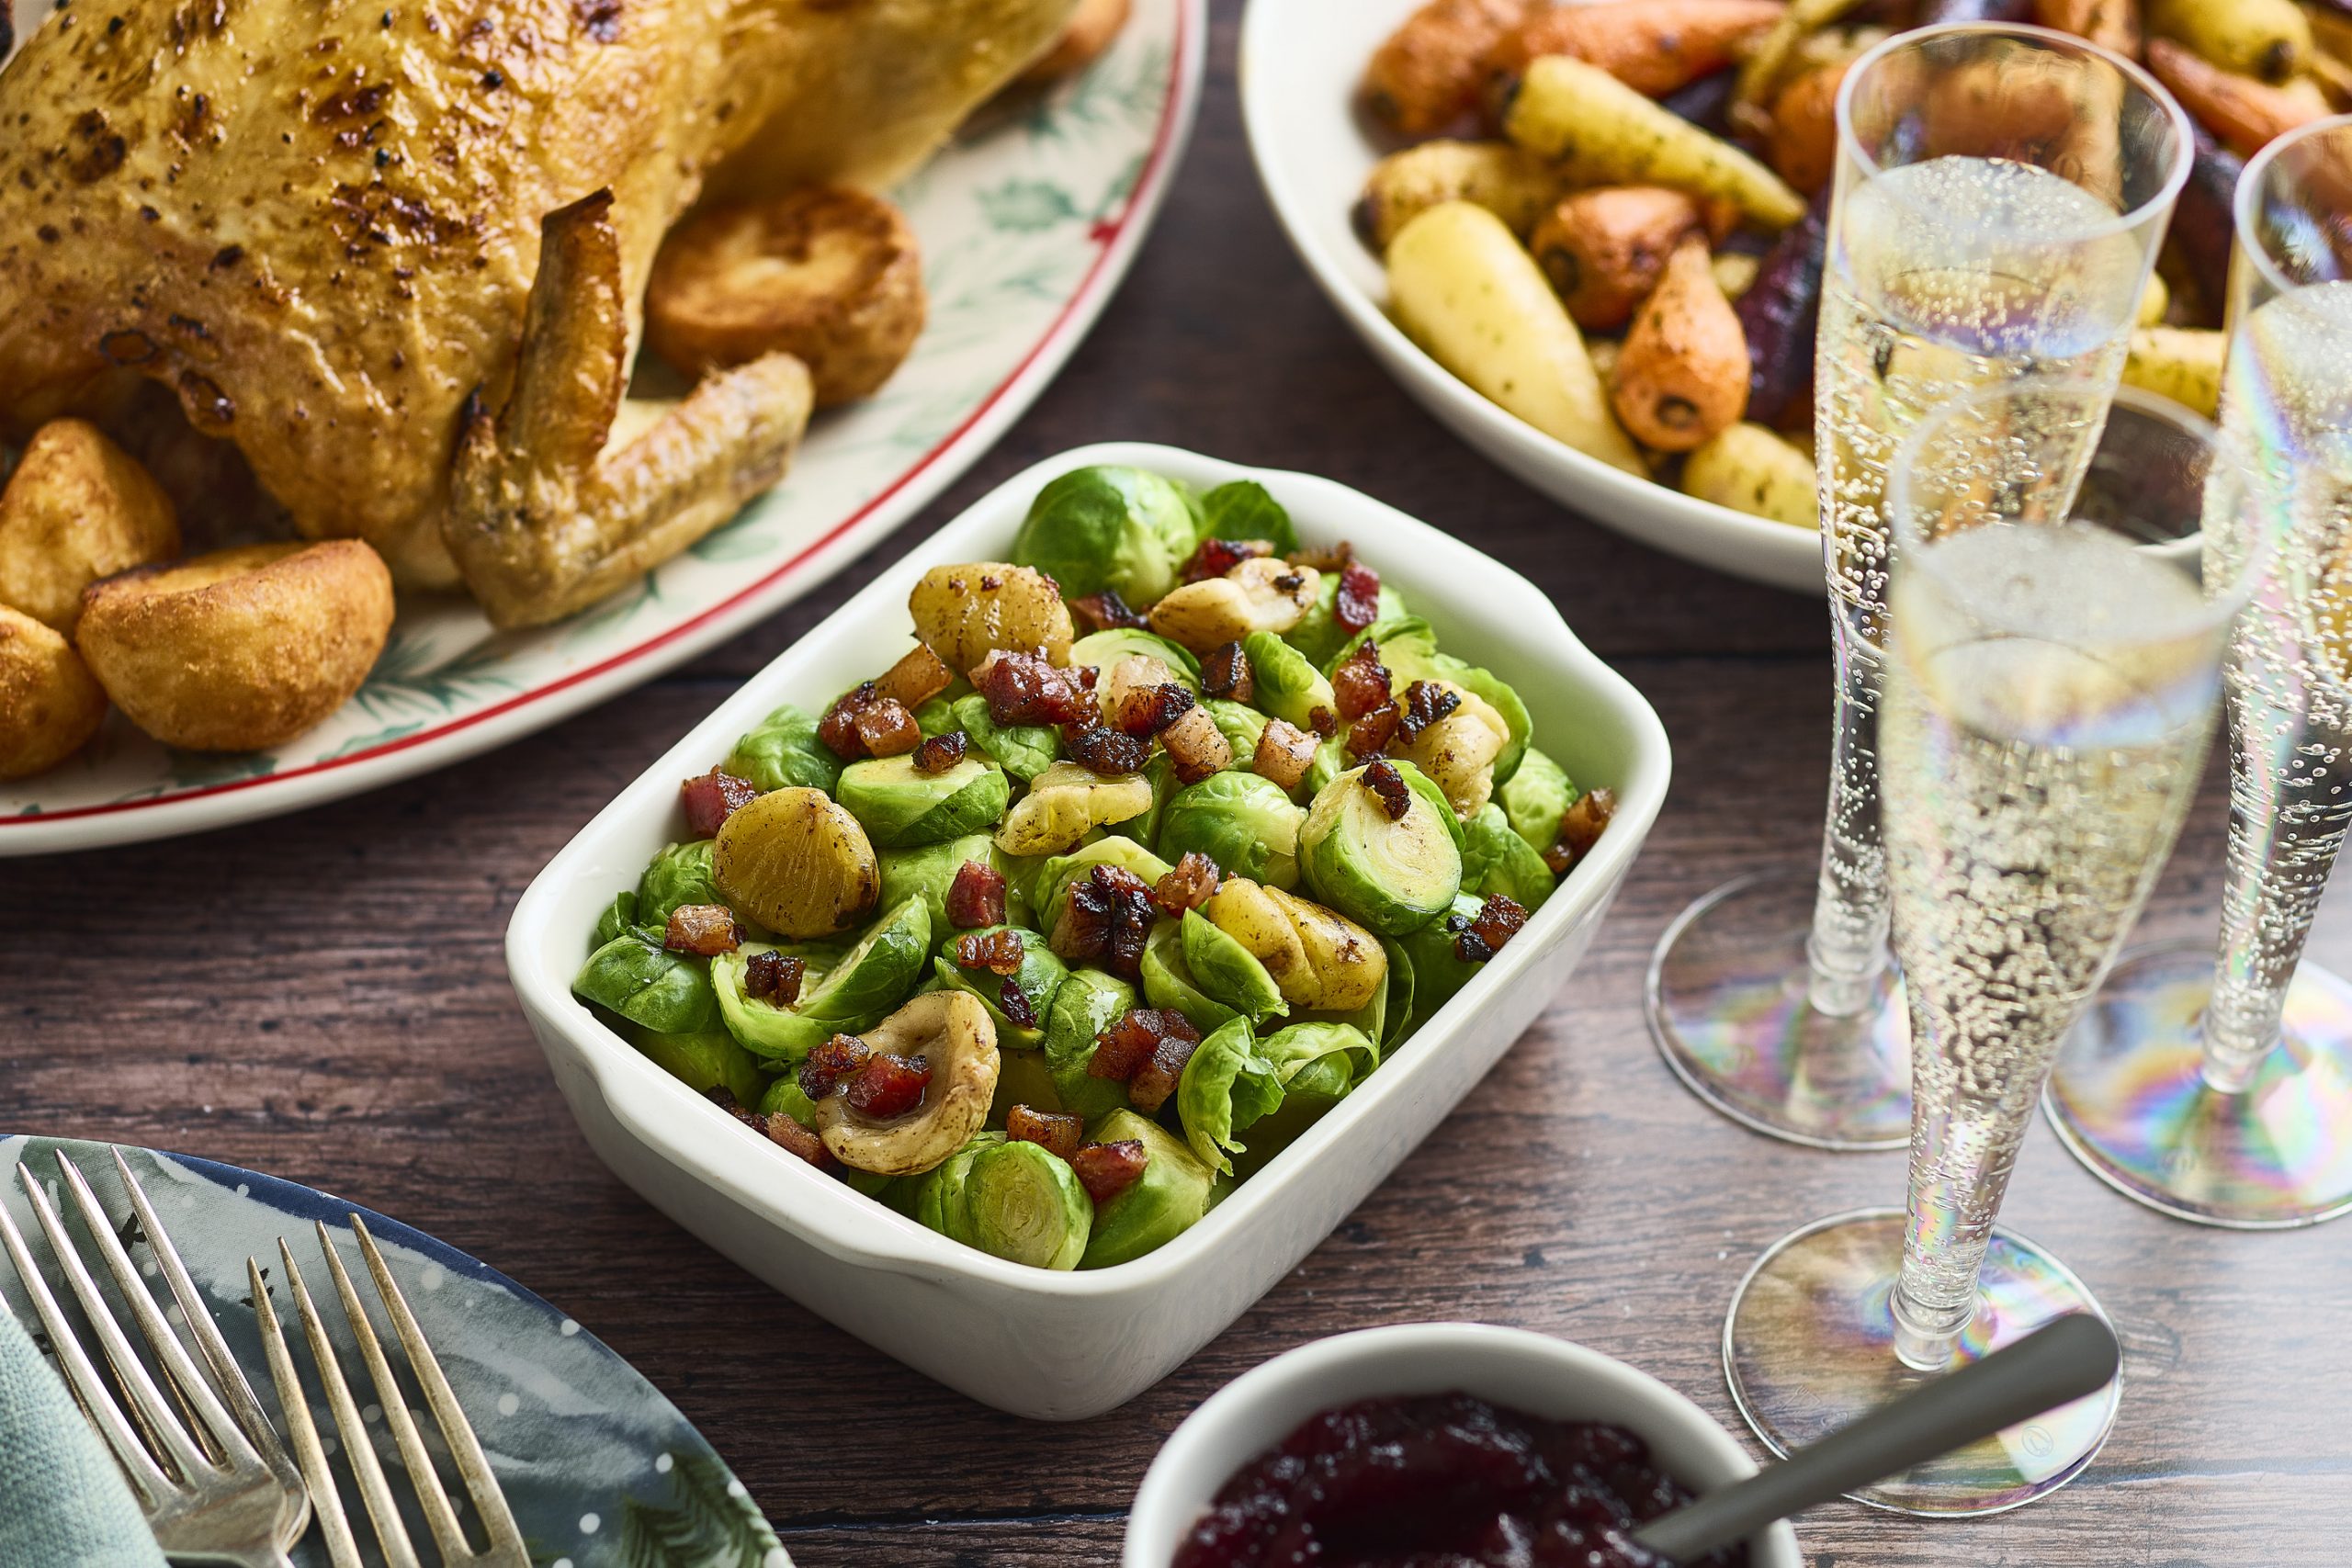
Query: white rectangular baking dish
<point>1066,1346</point>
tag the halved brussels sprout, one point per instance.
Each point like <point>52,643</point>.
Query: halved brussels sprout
<point>678,874</point>
<point>1438,970</point>
<point>619,915</point>
<point>1330,762</point>
<point>1244,509</point>
<point>1318,1064</point>
<point>1408,649</point>
<point>1321,961</point>
<point>705,1060</point>
<point>1059,872</point>
<point>1241,724</point>
<point>1227,972</point>
<point>636,976</point>
<point>927,871</point>
<point>845,998</point>
<point>795,863</point>
<point>1226,1089</point>
<point>782,1097</point>
<point>1110,526</point>
<point>936,715</point>
<point>1024,1078</point>
<point>1495,859</point>
<point>1535,798</point>
<point>1104,650</point>
<point>899,804</point>
<point>1065,803</point>
<point>1012,1200</point>
<point>1289,687</point>
<point>1168,980</point>
<point>1159,772</point>
<point>1088,1002</point>
<point>1320,635</point>
<point>1247,824</point>
<point>782,751</point>
<point>952,1032</point>
<point>1392,876</point>
<point>1165,1200</point>
<point>1041,973</point>
<point>1024,751</point>
<point>1401,1001</point>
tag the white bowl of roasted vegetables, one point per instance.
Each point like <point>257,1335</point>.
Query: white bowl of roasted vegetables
<point>1033,963</point>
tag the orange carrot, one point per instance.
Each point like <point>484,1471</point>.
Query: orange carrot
<point>2243,113</point>
<point>2110,24</point>
<point>1604,250</point>
<point>1683,375</point>
<point>1651,46</point>
<point>1429,72</point>
<point>1804,127</point>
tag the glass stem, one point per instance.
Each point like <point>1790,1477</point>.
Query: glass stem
<point>1847,949</point>
<point>1961,1158</point>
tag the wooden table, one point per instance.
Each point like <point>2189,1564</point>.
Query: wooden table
<point>323,996</point>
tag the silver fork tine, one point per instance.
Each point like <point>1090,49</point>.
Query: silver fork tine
<point>82,1375</point>
<point>464,1447</point>
<point>155,1415</point>
<point>374,1490</point>
<point>326,1503</point>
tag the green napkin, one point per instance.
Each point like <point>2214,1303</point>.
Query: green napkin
<point>63,1502</point>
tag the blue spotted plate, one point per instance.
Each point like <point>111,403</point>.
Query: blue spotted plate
<point>601,1470</point>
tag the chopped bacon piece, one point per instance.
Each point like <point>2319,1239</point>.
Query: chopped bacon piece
<point>1107,915</point>
<point>1145,711</point>
<point>1581,826</point>
<point>915,679</point>
<point>1051,1131</point>
<point>1156,1079</point>
<point>1226,672</point>
<point>887,1086</point>
<point>1100,749</point>
<point>1217,557</point>
<point>1558,859</point>
<point>1334,557</point>
<point>1322,721</point>
<point>824,1067</point>
<point>724,1097</point>
<point>1361,683</point>
<point>939,752</point>
<point>1480,936</point>
<point>713,799</point>
<point>1196,747</point>
<point>775,979</point>
<point>1134,1038</point>
<point>976,898</point>
<point>704,930</point>
<point>838,728</point>
<point>792,1137</point>
<point>1396,796</point>
<point>1358,602</point>
<point>1105,1171</point>
<point>1368,736</point>
<point>1291,581</point>
<point>998,952</point>
<point>1106,612</point>
<point>1188,886</point>
<point>1284,753</point>
<point>1022,688</point>
<point>1426,703</point>
<point>887,729</point>
<point>1015,1003</point>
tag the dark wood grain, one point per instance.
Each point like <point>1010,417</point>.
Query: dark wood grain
<point>325,997</point>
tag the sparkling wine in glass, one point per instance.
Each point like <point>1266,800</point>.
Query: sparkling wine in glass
<point>2057,621</point>
<point>2000,193</point>
<point>2219,1088</point>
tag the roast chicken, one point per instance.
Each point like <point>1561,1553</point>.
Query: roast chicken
<point>394,251</point>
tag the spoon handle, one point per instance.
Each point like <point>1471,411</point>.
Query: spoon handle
<point>2065,1360</point>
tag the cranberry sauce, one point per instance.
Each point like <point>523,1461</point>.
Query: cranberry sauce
<point>1440,1480</point>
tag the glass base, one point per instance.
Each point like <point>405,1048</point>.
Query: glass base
<point>2130,1099</point>
<point>1809,1348</point>
<point>1728,1007</point>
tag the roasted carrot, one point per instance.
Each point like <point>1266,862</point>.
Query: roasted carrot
<point>1804,145</point>
<point>2110,24</point>
<point>1683,375</point>
<point>2243,113</point>
<point>1653,46</point>
<point>1604,250</point>
<point>1430,70</point>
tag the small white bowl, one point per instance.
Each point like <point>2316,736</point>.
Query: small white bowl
<point>1066,1346</point>
<point>1301,61</point>
<point>1533,1372</point>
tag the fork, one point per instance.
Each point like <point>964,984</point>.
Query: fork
<point>216,1487</point>
<point>505,1548</point>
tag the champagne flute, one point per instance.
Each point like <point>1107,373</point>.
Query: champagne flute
<point>2000,193</point>
<point>2221,1092</point>
<point>2054,669</point>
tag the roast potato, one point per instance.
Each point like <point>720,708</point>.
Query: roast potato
<point>49,704</point>
<point>78,508</point>
<point>828,275</point>
<point>240,649</point>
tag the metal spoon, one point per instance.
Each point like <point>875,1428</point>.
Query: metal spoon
<point>2065,1360</point>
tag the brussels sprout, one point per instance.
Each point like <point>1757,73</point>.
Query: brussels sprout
<point>1239,724</point>
<point>619,915</point>
<point>898,805</point>
<point>1016,1200</point>
<point>1059,872</point>
<point>704,1060</point>
<point>1248,825</point>
<point>783,752</point>
<point>795,863</point>
<point>1390,875</point>
<point>1289,687</point>
<point>679,875</point>
<point>1109,526</point>
<point>1330,762</point>
<point>847,998</point>
<point>1535,798</point>
<point>1242,509</point>
<point>1495,859</point>
<point>636,976</point>
<point>1319,1059</point>
<point>1168,980</point>
<point>1159,772</point>
<point>782,1097</point>
<point>1408,649</point>
<point>1320,635</point>
<point>936,715</point>
<point>1025,750</point>
<point>1401,999</point>
<point>1104,649</point>
<point>1065,803</point>
<point>1165,1200</point>
<point>1226,1089</point>
<point>1040,975</point>
<point>1022,1078</point>
<point>927,871</point>
<point>1321,961</point>
<point>1227,971</point>
<point>1088,1002</point>
<point>1438,970</point>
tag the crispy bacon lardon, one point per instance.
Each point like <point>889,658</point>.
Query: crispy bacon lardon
<point>711,799</point>
<point>1368,736</point>
<point>939,752</point>
<point>704,930</point>
<point>1480,936</point>
<point>864,723</point>
<point>1196,746</point>
<point>1106,612</point>
<point>1053,1131</point>
<point>1188,884</point>
<point>1217,557</point>
<point>1581,826</point>
<point>775,979</point>
<point>998,952</point>
<point>1099,748</point>
<point>1384,782</point>
<point>1357,603</point>
<point>887,1086</point>
<point>1105,1171</point>
<point>1105,917</point>
<point>1226,672</point>
<point>1146,1048</point>
<point>1426,703</point>
<point>1361,683</point>
<point>823,1069</point>
<point>976,898</point>
<point>777,1128</point>
<point>1145,711</point>
<point>1022,688</point>
<point>916,678</point>
<point>1284,753</point>
<point>1324,558</point>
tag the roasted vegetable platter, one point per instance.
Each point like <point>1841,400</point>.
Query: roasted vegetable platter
<point>1258,820</point>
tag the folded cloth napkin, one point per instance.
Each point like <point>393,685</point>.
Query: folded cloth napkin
<point>63,1504</point>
